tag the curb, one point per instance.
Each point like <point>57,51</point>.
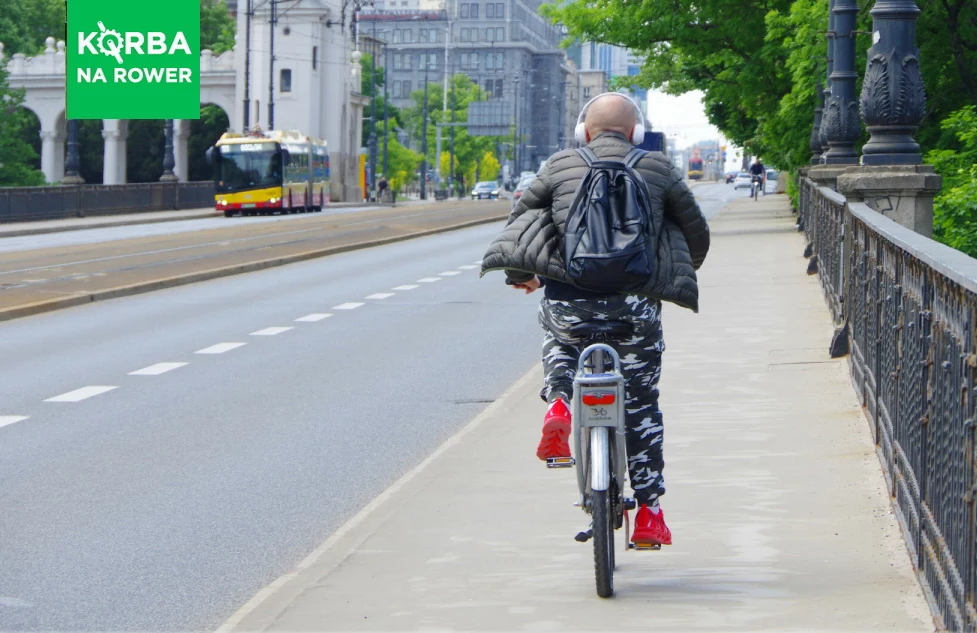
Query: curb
<point>50,305</point>
<point>209,213</point>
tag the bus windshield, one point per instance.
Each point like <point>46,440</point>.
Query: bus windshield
<point>248,166</point>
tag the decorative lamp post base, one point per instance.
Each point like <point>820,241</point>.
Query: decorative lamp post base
<point>902,193</point>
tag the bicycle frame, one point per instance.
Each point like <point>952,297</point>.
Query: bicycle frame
<point>606,391</point>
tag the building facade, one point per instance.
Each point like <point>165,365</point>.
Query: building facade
<point>504,46</point>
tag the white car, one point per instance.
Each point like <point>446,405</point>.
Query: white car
<point>743,179</point>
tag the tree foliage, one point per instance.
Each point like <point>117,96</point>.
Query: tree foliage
<point>25,24</point>
<point>468,150</point>
<point>16,155</point>
<point>955,208</point>
<point>217,26</point>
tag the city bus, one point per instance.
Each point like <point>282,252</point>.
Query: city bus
<point>265,172</point>
<point>695,168</point>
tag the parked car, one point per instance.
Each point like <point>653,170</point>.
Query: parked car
<point>487,189</point>
<point>524,183</point>
<point>743,179</point>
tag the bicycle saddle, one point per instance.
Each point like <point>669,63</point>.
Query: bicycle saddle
<point>609,329</point>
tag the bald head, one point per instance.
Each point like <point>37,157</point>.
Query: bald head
<point>610,113</point>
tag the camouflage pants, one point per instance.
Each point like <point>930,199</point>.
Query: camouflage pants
<point>640,362</point>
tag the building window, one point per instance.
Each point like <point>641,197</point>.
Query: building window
<point>474,10</point>
<point>406,88</point>
<point>396,36</point>
<point>586,92</point>
<point>498,88</point>
<point>422,36</point>
<point>285,85</point>
<point>466,35</point>
<point>474,35</point>
<point>315,57</point>
<point>434,35</point>
<point>432,60</point>
<point>488,87</point>
<point>500,60</point>
<point>408,36</point>
<point>500,10</point>
<point>490,10</point>
<point>489,61</point>
<point>395,93</point>
<point>464,10</point>
<point>500,34</point>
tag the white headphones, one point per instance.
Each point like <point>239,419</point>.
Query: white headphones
<point>637,136</point>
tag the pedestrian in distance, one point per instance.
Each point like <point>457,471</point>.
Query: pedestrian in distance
<point>381,187</point>
<point>530,250</point>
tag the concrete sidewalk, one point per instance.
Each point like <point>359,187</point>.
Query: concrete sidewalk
<point>775,496</point>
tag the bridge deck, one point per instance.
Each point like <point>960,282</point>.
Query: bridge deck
<point>776,500</point>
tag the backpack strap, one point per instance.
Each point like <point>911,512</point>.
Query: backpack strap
<point>635,155</point>
<point>588,155</point>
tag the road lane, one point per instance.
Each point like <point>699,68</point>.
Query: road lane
<point>168,501</point>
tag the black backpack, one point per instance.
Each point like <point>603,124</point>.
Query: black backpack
<point>607,245</point>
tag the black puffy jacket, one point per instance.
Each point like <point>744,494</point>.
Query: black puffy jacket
<point>531,243</point>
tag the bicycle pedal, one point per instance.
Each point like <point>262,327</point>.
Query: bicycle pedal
<point>644,547</point>
<point>560,462</point>
<point>583,537</point>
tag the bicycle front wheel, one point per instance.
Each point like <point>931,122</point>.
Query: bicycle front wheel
<point>603,543</point>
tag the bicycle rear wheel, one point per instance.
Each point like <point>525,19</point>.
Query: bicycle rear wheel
<point>602,511</point>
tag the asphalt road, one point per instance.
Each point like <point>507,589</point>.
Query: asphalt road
<point>140,493</point>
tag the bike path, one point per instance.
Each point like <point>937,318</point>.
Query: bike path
<point>775,497</point>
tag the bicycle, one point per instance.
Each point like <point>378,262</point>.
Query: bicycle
<point>597,414</point>
<point>755,186</point>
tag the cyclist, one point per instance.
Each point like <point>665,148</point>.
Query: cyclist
<point>759,173</point>
<point>529,250</point>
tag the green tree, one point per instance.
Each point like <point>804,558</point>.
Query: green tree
<point>955,208</point>
<point>217,26</point>
<point>374,90</point>
<point>16,155</point>
<point>25,24</point>
<point>468,149</point>
<point>204,132</point>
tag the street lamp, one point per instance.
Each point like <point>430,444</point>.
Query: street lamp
<point>424,136</point>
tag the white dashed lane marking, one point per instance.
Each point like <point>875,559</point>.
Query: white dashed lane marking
<point>271,331</point>
<point>312,318</point>
<point>407,287</point>
<point>427,280</point>
<point>347,306</point>
<point>10,419</point>
<point>381,295</point>
<point>468,267</point>
<point>81,394</point>
<point>449,273</point>
<point>157,369</point>
<point>220,348</point>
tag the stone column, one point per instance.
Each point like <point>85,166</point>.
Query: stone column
<point>110,164</point>
<point>49,141</point>
<point>181,131</point>
<point>168,161</point>
<point>123,176</point>
<point>892,179</point>
<point>841,121</point>
<point>73,160</point>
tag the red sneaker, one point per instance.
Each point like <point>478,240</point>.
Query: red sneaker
<point>556,430</point>
<point>650,528</point>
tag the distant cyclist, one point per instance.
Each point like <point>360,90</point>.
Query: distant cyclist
<point>529,250</point>
<point>759,173</point>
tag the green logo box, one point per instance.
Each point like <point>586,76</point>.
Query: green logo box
<point>129,60</point>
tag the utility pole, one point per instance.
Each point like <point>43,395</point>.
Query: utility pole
<point>424,139</point>
<point>451,156</point>
<point>247,68</point>
<point>271,69</point>
<point>515,131</point>
<point>386,132</point>
<point>444,109</point>
<point>373,115</point>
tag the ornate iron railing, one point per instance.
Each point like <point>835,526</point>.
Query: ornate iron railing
<point>909,307</point>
